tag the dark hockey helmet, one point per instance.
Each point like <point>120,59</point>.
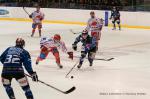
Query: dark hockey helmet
<point>92,13</point>
<point>114,8</point>
<point>38,8</point>
<point>20,42</point>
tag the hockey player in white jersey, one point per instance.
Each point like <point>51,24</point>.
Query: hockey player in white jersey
<point>94,25</point>
<point>51,45</point>
<point>37,17</point>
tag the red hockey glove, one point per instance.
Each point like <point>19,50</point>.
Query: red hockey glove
<point>70,55</point>
<point>41,19</point>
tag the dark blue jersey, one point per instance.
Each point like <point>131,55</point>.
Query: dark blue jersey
<point>89,42</point>
<point>13,58</point>
<point>115,14</point>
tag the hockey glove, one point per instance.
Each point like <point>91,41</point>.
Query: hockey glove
<point>74,46</point>
<point>34,77</point>
<point>41,19</point>
<point>70,55</point>
<point>30,16</point>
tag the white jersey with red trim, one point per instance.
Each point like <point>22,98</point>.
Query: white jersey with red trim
<point>49,43</point>
<point>94,24</point>
<point>37,17</point>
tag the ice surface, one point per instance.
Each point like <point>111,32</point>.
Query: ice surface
<point>129,72</point>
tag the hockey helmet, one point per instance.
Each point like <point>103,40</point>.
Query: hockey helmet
<point>92,12</point>
<point>20,42</point>
<point>57,37</point>
<point>84,34</point>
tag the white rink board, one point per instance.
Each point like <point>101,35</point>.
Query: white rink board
<point>77,15</point>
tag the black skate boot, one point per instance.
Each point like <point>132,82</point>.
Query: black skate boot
<point>120,28</point>
<point>91,63</point>
<point>32,35</point>
<point>12,97</point>
<point>36,62</point>
<point>114,28</point>
<point>59,65</point>
<point>79,66</point>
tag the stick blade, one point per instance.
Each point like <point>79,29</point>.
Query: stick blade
<point>110,59</point>
<point>70,90</point>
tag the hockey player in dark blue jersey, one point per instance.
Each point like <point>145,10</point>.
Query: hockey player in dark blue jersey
<point>115,16</point>
<point>12,59</point>
<point>88,47</point>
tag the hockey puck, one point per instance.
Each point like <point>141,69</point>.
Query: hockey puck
<point>72,77</point>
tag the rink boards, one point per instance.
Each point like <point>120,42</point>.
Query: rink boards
<point>76,16</point>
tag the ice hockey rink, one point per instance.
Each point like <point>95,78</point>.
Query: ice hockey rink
<point>125,77</point>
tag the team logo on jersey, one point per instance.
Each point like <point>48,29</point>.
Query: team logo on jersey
<point>94,23</point>
<point>3,12</point>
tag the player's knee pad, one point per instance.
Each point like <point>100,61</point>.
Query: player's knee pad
<point>55,53</point>
<point>113,22</point>
<point>39,26</point>
<point>92,55</point>
<point>83,54</point>
<point>6,81</point>
<point>118,21</point>
<point>55,50</point>
<point>23,82</point>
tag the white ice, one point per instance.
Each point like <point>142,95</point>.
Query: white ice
<point>128,73</point>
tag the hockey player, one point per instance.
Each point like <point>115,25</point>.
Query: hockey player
<point>51,45</point>
<point>94,25</point>
<point>115,16</point>
<point>37,17</point>
<point>88,47</point>
<point>12,59</point>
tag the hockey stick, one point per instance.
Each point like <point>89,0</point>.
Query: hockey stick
<point>108,59</point>
<point>25,10</point>
<point>103,59</point>
<point>74,32</point>
<point>71,69</point>
<point>64,92</point>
